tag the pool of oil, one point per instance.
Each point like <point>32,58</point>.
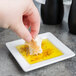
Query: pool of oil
<point>49,51</point>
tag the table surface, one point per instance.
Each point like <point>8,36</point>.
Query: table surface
<point>9,66</point>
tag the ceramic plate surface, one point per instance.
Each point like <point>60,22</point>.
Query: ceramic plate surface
<point>29,67</point>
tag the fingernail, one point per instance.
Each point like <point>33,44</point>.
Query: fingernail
<point>28,39</point>
<point>34,36</point>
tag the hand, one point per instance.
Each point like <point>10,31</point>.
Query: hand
<point>19,15</point>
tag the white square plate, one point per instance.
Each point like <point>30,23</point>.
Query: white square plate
<point>29,67</point>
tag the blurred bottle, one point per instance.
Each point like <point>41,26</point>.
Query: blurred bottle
<point>72,18</point>
<point>52,12</point>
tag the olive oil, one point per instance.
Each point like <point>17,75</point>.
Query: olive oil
<point>49,51</point>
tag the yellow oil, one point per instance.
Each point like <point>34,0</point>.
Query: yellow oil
<point>49,52</point>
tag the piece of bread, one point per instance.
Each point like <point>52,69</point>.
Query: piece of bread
<point>34,46</point>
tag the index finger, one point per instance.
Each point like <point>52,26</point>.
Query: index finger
<point>34,19</point>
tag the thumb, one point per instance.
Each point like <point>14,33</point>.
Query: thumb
<point>22,31</point>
